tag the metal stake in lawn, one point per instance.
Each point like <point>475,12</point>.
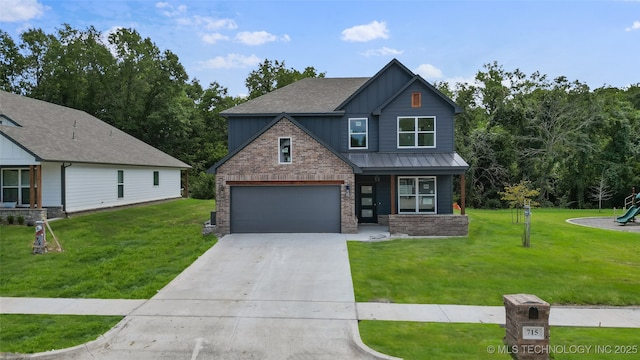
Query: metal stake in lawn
<point>526,236</point>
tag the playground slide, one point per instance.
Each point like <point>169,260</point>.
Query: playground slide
<point>629,215</point>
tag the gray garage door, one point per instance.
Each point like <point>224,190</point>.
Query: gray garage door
<point>285,209</point>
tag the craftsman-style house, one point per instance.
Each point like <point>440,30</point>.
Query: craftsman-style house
<point>325,154</point>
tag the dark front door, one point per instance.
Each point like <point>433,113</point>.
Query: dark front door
<point>367,203</point>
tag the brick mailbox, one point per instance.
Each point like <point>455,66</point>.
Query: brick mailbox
<point>527,326</point>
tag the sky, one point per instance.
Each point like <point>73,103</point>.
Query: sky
<point>596,42</point>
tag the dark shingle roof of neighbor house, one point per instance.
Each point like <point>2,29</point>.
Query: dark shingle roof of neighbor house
<point>307,96</point>
<point>56,133</point>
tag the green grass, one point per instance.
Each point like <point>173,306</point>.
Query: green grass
<point>122,254</point>
<point>126,253</point>
<point>36,333</point>
<point>418,341</point>
<point>566,264</point>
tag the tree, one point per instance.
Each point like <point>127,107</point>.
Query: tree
<point>272,75</point>
<point>519,194</point>
<point>601,192</point>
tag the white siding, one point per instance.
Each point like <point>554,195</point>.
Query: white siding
<point>96,186</point>
<point>51,185</point>
<point>12,154</point>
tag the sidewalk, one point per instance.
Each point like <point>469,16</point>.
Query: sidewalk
<point>611,317</point>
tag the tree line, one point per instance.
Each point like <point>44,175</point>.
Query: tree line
<point>567,140</point>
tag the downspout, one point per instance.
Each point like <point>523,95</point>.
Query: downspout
<point>63,186</point>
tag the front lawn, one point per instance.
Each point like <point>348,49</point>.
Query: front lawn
<point>566,264</point>
<point>418,341</point>
<point>121,254</point>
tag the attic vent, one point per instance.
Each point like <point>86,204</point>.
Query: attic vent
<point>416,100</point>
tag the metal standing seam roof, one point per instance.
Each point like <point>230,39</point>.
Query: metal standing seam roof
<point>56,133</point>
<point>408,161</point>
<point>309,96</point>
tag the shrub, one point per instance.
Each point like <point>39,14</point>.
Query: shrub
<point>20,219</point>
<point>204,187</point>
<point>10,219</point>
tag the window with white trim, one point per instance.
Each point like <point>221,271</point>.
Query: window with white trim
<point>284,150</point>
<point>120,184</point>
<point>416,132</point>
<point>358,133</point>
<point>417,195</point>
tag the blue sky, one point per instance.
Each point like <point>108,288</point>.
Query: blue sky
<point>596,42</point>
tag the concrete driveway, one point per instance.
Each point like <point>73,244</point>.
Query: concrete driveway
<point>267,296</point>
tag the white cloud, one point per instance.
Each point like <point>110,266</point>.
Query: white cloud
<point>213,24</point>
<point>255,37</point>
<point>429,71</point>
<point>21,10</point>
<point>383,51</point>
<point>259,37</point>
<point>231,61</point>
<point>634,26</point>
<point>213,38</point>
<point>362,33</point>
<point>170,10</point>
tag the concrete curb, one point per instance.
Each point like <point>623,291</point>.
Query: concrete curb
<point>360,345</point>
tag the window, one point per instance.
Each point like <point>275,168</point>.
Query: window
<point>416,132</point>
<point>120,184</point>
<point>16,186</point>
<point>417,195</point>
<point>284,150</point>
<point>358,129</point>
<point>156,178</point>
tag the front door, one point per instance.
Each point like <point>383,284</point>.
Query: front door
<point>367,203</point>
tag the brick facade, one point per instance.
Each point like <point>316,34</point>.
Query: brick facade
<point>310,161</point>
<point>429,225</point>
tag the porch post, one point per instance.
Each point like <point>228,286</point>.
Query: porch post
<point>393,194</point>
<point>39,182</point>
<point>32,187</point>
<point>462,194</point>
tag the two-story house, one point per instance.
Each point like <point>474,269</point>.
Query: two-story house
<point>325,154</point>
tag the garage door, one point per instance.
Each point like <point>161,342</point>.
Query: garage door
<point>286,209</point>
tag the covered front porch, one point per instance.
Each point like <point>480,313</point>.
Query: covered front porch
<point>412,194</point>
<point>20,195</point>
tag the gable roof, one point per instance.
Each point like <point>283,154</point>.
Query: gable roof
<point>52,132</point>
<point>417,78</point>
<point>324,95</point>
<point>306,96</point>
<point>214,168</point>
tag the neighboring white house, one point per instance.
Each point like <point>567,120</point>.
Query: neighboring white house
<point>66,160</point>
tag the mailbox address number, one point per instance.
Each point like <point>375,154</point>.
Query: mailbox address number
<point>533,332</point>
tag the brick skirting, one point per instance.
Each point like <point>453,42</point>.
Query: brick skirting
<point>429,225</point>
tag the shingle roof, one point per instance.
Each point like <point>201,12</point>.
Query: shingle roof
<point>309,95</point>
<point>56,133</point>
<point>449,162</point>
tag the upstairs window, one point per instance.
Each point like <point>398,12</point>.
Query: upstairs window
<point>284,150</point>
<point>358,133</point>
<point>416,132</point>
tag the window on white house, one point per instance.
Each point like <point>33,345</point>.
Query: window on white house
<point>120,184</point>
<point>416,132</point>
<point>358,133</point>
<point>284,150</point>
<point>156,178</point>
<point>15,184</point>
<point>417,195</point>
